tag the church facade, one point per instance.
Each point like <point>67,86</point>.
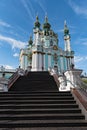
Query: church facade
<point>43,52</point>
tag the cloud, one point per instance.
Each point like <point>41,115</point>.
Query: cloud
<point>16,55</point>
<point>81,62</point>
<point>2,23</point>
<point>60,30</point>
<point>78,9</point>
<point>8,67</point>
<point>82,41</point>
<point>78,59</point>
<point>13,42</point>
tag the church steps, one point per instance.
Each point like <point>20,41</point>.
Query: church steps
<point>39,111</point>
<point>36,98</point>
<point>37,106</point>
<point>38,102</point>
<point>40,124</point>
<point>45,121</point>
<point>50,128</point>
<point>35,81</point>
<point>33,94</point>
<point>41,116</point>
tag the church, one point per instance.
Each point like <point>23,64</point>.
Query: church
<point>46,91</point>
<point>43,52</point>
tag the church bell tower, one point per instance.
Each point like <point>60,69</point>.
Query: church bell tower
<point>69,52</point>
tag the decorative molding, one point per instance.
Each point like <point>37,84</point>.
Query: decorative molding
<point>55,47</point>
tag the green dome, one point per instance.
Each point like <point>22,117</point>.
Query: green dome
<point>66,30</point>
<point>30,41</point>
<point>37,23</point>
<point>46,25</point>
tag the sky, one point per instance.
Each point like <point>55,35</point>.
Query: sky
<point>17,19</point>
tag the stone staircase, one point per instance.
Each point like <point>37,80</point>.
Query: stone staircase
<point>34,103</point>
<point>40,111</point>
<point>35,81</point>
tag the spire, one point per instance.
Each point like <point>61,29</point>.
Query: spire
<point>46,19</point>
<point>65,23</point>
<point>37,23</point>
<point>66,30</point>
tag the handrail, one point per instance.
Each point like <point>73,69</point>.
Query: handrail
<point>13,78</point>
<point>56,79</point>
<point>83,86</point>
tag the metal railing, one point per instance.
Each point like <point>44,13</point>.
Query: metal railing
<point>83,86</point>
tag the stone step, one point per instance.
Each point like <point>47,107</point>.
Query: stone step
<point>45,121</point>
<point>47,128</point>
<point>41,117</point>
<point>39,92</point>
<point>37,106</point>
<point>34,94</point>
<point>40,111</point>
<point>37,102</point>
<point>37,98</point>
<point>40,124</point>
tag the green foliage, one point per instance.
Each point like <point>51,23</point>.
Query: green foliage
<point>84,80</point>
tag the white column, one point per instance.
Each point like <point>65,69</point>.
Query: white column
<point>26,62</point>
<point>23,62</point>
<point>37,38</point>
<point>67,43</point>
<point>36,61</point>
<point>40,61</point>
<point>33,61</point>
<point>72,60</point>
<point>62,64</point>
<point>49,60</point>
<point>65,46</point>
<point>44,61</point>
